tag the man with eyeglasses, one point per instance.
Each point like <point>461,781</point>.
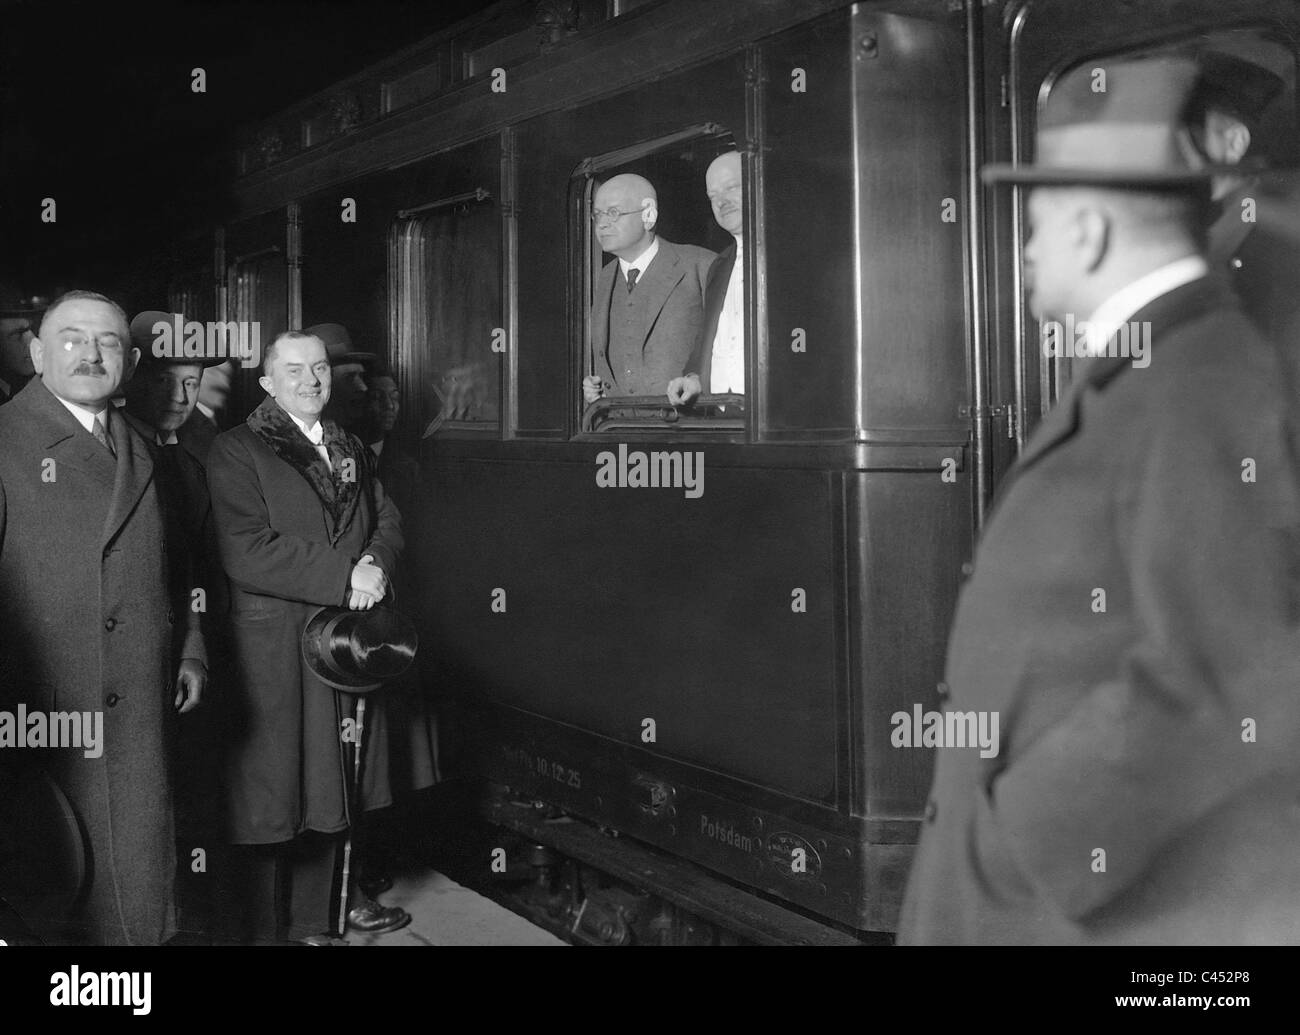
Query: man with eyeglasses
<point>648,312</point>
<point>87,614</point>
<point>718,363</point>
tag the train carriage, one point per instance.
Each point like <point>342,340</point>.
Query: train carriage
<point>712,676</point>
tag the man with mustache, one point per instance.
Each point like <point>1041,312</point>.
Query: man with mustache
<point>88,615</point>
<point>301,523</point>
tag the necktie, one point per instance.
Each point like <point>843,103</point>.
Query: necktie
<point>632,274</point>
<point>101,436</point>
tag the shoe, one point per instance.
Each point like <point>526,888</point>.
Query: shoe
<point>323,939</point>
<point>375,886</point>
<point>371,918</point>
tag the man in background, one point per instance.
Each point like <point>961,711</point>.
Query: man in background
<point>717,365</point>
<point>88,615</point>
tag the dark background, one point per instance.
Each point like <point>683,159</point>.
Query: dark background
<point>96,111</point>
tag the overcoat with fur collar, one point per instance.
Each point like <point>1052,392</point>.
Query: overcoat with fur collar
<point>289,533</point>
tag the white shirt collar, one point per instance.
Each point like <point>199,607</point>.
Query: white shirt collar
<point>85,417</point>
<point>377,447</point>
<point>169,440</point>
<point>6,387</point>
<point>1113,313</point>
<point>641,261</point>
<point>316,434</point>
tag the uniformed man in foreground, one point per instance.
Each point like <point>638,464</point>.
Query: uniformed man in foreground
<point>1132,616</point>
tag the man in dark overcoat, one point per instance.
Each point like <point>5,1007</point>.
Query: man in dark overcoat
<point>88,615</point>
<point>300,524</point>
<point>1132,620</point>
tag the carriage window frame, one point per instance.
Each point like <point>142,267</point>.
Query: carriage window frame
<point>711,415</point>
<point>1053,377</point>
<point>409,286</point>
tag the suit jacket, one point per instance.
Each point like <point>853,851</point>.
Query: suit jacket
<point>87,624</point>
<point>674,284</point>
<point>1144,791</point>
<point>289,534</point>
<point>715,294</point>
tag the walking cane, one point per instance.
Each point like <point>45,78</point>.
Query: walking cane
<point>354,801</point>
<point>356,652</point>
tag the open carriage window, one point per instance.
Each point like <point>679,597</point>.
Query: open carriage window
<point>445,279</point>
<point>658,272</point>
<point>1241,115</point>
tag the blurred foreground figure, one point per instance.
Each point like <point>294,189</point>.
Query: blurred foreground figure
<point>1131,623</point>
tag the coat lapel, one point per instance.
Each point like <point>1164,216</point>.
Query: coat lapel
<point>338,492</point>
<point>1182,304</point>
<point>600,312</point>
<point>61,437</point>
<point>134,473</point>
<point>663,274</point>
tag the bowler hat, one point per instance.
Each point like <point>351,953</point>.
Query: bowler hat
<point>143,338</point>
<point>338,345</point>
<point>358,651</point>
<point>1116,124</point>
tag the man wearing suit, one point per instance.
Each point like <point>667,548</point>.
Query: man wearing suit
<point>160,399</point>
<point>88,614</point>
<point>718,362</point>
<point>1132,620</point>
<point>648,312</point>
<point>300,524</point>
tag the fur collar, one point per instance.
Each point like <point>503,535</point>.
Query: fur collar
<point>338,495</point>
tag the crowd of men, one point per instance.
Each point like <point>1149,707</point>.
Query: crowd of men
<point>1133,616</point>
<point>162,571</point>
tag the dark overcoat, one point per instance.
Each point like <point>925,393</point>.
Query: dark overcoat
<point>412,720</point>
<point>289,534</point>
<point>88,625</point>
<point>1145,786</point>
<point>673,287</point>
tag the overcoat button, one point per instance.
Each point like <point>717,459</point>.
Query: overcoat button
<point>110,624</point>
<point>943,691</point>
<point>931,810</point>
<point>171,617</point>
<point>111,700</point>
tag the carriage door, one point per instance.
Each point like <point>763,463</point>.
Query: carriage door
<point>1038,41</point>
